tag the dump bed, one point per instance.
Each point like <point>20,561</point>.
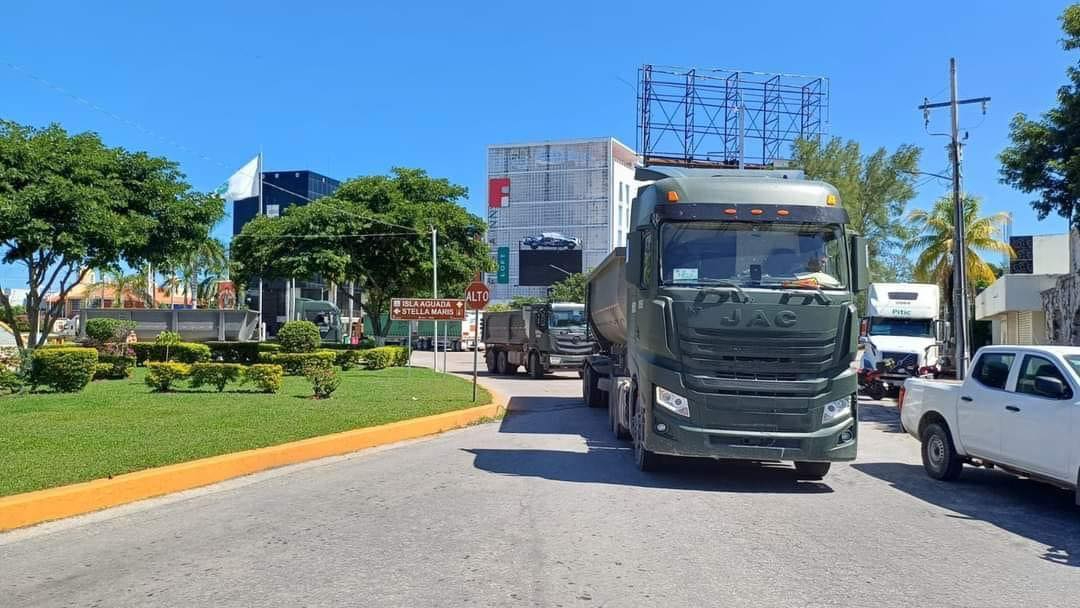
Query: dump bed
<point>507,327</point>
<point>605,301</point>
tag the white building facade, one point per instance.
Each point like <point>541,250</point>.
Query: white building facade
<point>555,208</point>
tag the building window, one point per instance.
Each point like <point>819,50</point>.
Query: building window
<point>620,192</point>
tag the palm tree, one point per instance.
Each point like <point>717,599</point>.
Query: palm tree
<point>933,243</point>
<point>207,261</point>
<point>134,284</point>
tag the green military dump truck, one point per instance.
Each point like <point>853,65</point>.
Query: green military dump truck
<point>727,326</point>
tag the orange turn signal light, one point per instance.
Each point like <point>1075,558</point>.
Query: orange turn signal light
<point>830,200</point>
<point>672,196</point>
<point>783,212</point>
<point>731,211</point>
<point>756,212</point>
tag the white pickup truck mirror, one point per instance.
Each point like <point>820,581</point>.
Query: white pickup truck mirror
<point>1048,386</point>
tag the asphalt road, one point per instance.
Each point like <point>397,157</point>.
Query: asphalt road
<point>545,509</point>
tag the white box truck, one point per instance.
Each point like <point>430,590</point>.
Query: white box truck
<point>898,333</point>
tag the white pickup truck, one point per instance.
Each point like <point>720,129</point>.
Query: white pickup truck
<point>1019,410</point>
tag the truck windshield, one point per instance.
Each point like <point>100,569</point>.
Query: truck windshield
<point>913,328</point>
<point>1074,361</point>
<point>752,254</point>
<point>567,318</point>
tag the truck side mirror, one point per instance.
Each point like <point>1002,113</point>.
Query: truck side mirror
<point>864,327</point>
<point>633,257</point>
<point>1048,386</point>
<point>860,269</point>
<point>942,331</point>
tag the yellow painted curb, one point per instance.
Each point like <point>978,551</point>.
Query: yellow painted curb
<point>32,508</point>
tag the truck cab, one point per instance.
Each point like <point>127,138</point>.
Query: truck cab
<point>898,333</point>
<point>732,333</point>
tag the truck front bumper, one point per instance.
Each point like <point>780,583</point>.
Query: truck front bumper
<point>836,442</point>
<point>565,361</point>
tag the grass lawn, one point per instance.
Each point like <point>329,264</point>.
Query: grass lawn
<point>119,426</point>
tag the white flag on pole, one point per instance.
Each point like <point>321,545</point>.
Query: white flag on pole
<point>245,183</point>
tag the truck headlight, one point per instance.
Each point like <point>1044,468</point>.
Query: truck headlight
<point>836,409</point>
<point>555,360</point>
<point>672,401</point>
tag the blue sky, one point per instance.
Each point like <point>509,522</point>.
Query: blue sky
<point>354,88</point>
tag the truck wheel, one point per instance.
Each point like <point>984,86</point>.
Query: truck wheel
<point>812,470</point>
<point>617,428</point>
<point>535,369</point>
<point>501,364</point>
<point>489,360</point>
<point>939,455</point>
<point>645,460</point>
<point>590,389</point>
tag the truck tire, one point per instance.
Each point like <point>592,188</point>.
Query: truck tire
<point>939,455</point>
<point>502,366</point>
<point>535,369</point>
<point>812,470</point>
<point>617,429</point>
<point>590,389</point>
<point>489,360</point>
<point>875,391</point>
<point>645,460</point>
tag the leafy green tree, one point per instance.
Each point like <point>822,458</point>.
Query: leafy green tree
<point>68,203</point>
<point>570,289</point>
<point>932,243</point>
<point>123,284</point>
<point>874,189</point>
<point>1044,157</point>
<point>199,268</point>
<point>523,301</point>
<point>375,231</point>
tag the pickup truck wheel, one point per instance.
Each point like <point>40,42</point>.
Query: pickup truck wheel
<point>939,456</point>
<point>502,366</point>
<point>812,470</point>
<point>590,389</point>
<point>645,460</point>
<point>536,370</point>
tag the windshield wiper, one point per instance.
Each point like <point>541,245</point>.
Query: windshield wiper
<point>806,291</point>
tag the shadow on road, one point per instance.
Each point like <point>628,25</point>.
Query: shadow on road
<point>884,415</point>
<point>1034,510</point>
<point>607,460</point>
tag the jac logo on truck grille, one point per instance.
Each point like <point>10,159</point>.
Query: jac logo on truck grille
<point>758,318</point>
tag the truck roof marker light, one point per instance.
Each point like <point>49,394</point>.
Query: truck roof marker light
<point>830,200</point>
<point>756,212</point>
<point>672,196</point>
<point>783,212</point>
<point>731,211</point>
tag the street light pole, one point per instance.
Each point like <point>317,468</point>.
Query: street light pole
<point>434,294</point>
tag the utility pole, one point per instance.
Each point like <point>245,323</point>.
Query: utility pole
<point>434,294</point>
<point>960,300</point>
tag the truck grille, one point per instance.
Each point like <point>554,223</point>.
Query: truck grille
<point>899,363</point>
<point>718,363</point>
<point>568,345</point>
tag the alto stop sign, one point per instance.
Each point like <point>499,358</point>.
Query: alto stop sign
<point>477,296</point>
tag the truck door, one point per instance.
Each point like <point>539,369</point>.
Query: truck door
<point>981,405</point>
<point>1036,428</point>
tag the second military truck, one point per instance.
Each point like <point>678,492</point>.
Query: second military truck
<point>541,337</point>
<point>727,326</point>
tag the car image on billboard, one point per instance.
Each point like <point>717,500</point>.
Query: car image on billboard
<point>552,240</point>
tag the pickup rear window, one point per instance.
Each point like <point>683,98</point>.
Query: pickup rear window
<point>992,369</point>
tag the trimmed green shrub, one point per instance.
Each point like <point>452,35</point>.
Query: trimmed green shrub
<point>160,375</point>
<point>266,378</point>
<point>67,370</point>
<point>324,379</point>
<point>10,381</point>
<point>293,363</point>
<point>234,352</point>
<point>347,359</point>
<point>385,356</point>
<point>183,352</point>
<point>113,367</point>
<point>103,331</point>
<point>299,337</point>
<point>269,347</point>
<point>214,374</point>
